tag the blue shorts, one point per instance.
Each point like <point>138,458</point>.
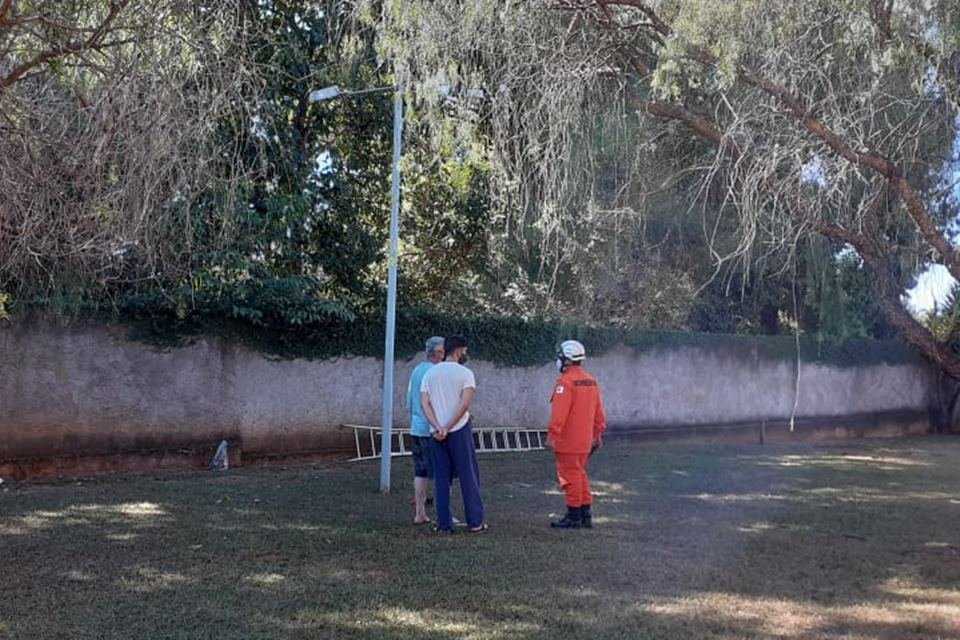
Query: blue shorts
<point>422,464</point>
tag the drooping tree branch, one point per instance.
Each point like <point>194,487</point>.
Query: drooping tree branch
<point>810,138</point>
<point>914,204</point>
<point>866,243</point>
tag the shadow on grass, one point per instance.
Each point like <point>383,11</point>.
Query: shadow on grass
<point>691,542</point>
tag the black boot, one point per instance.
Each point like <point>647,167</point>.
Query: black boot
<point>569,521</point>
<point>586,518</point>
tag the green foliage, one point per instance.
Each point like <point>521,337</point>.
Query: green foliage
<point>444,228</point>
<point>318,201</point>
<point>325,331</point>
<point>944,321</point>
<point>594,221</point>
<point>838,298</point>
<point>264,312</point>
<point>4,301</point>
<point>599,196</point>
<point>301,215</point>
<point>301,195</point>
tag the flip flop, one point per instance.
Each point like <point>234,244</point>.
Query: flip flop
<point>444,531</point>
<point>481,529</point>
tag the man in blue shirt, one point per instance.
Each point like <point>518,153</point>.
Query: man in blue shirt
<point>420,430</point>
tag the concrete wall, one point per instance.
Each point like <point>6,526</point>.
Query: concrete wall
<point>85,389</point>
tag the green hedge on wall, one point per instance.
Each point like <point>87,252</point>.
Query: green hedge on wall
<point>505,341</point>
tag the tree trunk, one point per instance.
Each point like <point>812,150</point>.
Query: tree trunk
<point>914,333</point>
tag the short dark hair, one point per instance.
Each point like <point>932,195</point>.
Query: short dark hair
<point>451,343</point>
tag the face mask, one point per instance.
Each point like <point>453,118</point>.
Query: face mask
<point>462,359</point>
<point>560,364</point>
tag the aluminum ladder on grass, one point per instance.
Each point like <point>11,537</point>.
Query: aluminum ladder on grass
<point>489,440</point>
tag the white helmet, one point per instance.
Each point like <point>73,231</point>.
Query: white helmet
<point>572,351</point>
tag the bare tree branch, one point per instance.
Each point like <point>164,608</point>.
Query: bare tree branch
<point>92,42</point>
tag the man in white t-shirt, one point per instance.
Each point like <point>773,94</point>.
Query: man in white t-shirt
<point>446,393</point>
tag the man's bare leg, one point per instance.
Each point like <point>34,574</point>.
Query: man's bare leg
<point>420,500</point>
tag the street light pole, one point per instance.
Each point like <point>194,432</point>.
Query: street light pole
<point>386,424</point>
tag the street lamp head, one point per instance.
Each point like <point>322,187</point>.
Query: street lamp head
<point>327,93</point>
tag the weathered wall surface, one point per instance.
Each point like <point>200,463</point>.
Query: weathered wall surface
<point>86,389</point>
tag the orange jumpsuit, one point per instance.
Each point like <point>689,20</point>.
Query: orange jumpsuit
<point>577,420</point>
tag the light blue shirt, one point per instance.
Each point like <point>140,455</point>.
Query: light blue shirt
<point>418,421</point>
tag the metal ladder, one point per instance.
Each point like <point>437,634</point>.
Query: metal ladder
<point>489,440</point>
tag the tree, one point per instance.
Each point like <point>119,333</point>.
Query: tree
<point>163,159</point>
<point>826,118</point>
<point>318,197</point>
<point>108,149</point>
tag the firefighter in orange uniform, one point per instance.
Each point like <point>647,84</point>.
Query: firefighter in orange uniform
<point>577,423</point>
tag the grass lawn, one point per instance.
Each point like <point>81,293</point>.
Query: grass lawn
<point>852,540</point>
